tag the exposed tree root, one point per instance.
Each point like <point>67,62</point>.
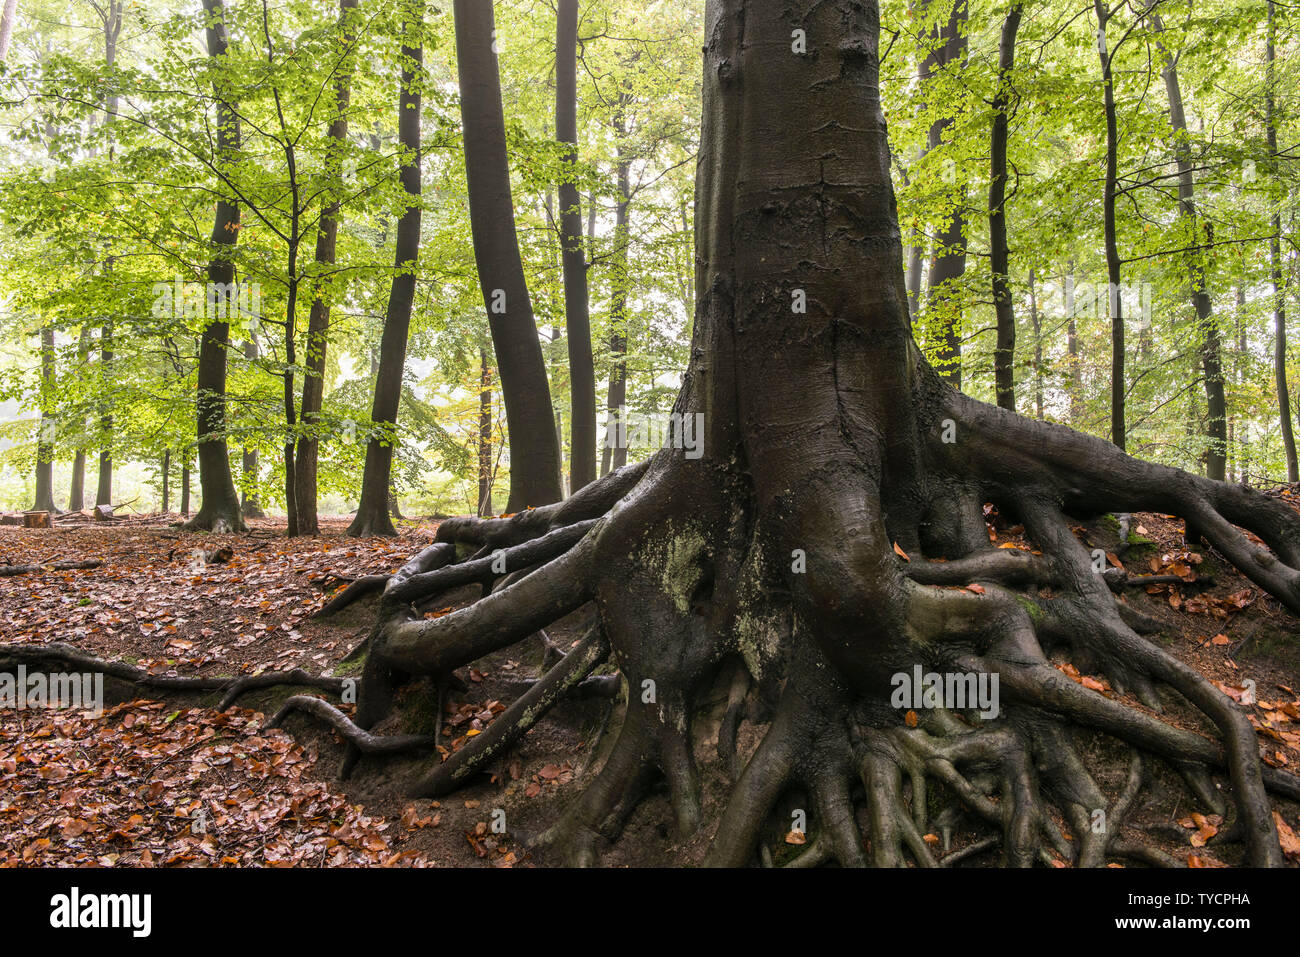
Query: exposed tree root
<point>362,740</point>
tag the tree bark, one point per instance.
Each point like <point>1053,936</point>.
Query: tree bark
<point>7,27</point>
<point>948,264</point>
<point>582,370</point>
<point>1211,346</point>
<point>44,498</point>
<point>249,506</point>
<point>166,480</point>
<point>530,417</point>
<point>1004,355</point>
<point>1118,383</point>
<point>77,491</point>
<point>373,510</point>
<point>220,509</point>
<point>104,488</point>
<point>318,322</point>
<point>614,447</point>
<point>1275,262</point>
<point>484,436</point>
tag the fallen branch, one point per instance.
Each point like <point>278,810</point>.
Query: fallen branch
<point>7,570</point>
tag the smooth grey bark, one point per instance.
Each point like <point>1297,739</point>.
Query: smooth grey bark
<point>318,321</point>
<point>220,508</point>
<point>582,370</point>
<point>44,498</point>
<point>521,369</point>
<point>77,490</point>
<point>1211,346</point>
<point>1118,382</point>
<point>1004,354</point>
<point>373,515</point>
<point>948,263</point>
<point>1275,262</point>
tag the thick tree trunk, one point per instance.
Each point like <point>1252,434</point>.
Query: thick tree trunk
<point>373,510</point>
<point>530,418</point>
<point>220,509</point>
<point>948,265</point>
<point>1275,265</point>
<point>1004,355</point>
<point>1211,347</point>
<point>1118,383</point>
<point>582,370</point>
<point>44,499</point>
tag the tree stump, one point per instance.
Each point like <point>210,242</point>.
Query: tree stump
<point>37,520</point>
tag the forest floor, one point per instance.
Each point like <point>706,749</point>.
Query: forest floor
<point>167,780</point>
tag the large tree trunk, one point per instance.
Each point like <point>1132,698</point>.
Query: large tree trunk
<point>372,512</point>
<point>1211,347</point>
<point>44,499</point>
<point>948,265</point>
<point>828,537</point>
<point>582,370</point>
<point>530,418</point>
<point>1004,355</point>
<point>1275,265</point>
<point>318,322</point>
<point>220,509</point>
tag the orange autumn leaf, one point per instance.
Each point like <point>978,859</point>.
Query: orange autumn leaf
<point>910,719</point>
<point>900,553</point>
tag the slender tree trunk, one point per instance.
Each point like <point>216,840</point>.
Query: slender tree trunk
<point>318,322</point>
<point>220,509</point>
<point>44,501</point>
<point>1036,323</point>
<point>77,491</point>
<point>185,487</point>
<point>582,370</point>
<point>376,483</point>
<point>1211,346</point>
<point>530,417</point>
<point>614,447</point>
<point>948,264</point>
<point>7,27</point>
<point>1118,385</point>
<point>249,506</point>
<point>104,489</point>
<point>166,479</point>
<point>484,436</point>
<point>1004,355</point>
<point>1275,264</point>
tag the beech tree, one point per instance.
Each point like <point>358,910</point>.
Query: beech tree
<point>831,534</point>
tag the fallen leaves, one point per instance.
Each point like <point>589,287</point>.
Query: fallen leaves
<point>159,788</point>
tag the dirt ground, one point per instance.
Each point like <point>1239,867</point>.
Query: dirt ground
<point>170,781</point>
